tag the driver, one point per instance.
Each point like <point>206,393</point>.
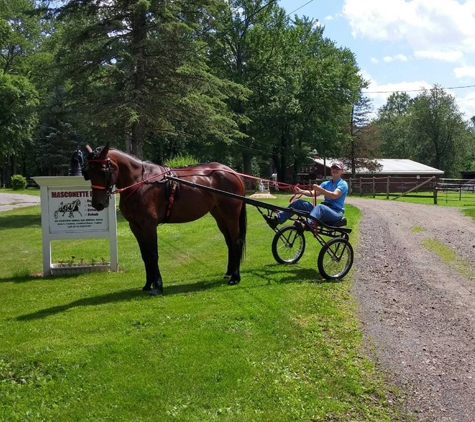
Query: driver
<point>329,211</point>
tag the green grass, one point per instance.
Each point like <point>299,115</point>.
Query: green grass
<point>283,345</point>
<point>448,198</point>
<point>28,191</point>
<point>448,256</point>
<point>469,212</point>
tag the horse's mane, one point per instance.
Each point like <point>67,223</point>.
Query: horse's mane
<point>94,154</point>
<point>130,156</point>
<point>98,150</point>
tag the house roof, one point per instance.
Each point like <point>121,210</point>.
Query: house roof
<point>390,166</point>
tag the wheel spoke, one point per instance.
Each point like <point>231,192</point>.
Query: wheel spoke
<point>288,245</point>
<point>335,259</point>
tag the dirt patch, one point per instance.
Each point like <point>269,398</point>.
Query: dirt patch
<point>417,311</point>
<point>9,201</point>
<point>262,196</point>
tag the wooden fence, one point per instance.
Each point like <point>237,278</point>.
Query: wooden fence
<point>456,191</point>
<point>449,191</point>
<point>393,187</point>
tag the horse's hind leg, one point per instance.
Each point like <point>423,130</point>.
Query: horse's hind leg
<point>234,245</point>
<point>147,240</point>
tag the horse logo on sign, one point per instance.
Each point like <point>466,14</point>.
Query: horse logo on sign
<point>70,207</point>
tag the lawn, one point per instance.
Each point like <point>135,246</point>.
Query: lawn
<point>283,345</point>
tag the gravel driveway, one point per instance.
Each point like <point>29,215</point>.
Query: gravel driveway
<point>9,201</point>
<point>417,312</point>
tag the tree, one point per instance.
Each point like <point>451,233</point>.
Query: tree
<point>243,49</point>
<point>18,99</point>
<point>393,122</point>
<point>364,142</point>
<point>137,70</point>
<point>440,136</point>
<point>19,36</point>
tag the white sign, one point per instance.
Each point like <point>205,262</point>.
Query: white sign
<point>70,211</point>
<point>67,213</point>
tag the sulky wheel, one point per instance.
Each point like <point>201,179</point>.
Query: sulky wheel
<point>335,259</point>
<point>288,245</point>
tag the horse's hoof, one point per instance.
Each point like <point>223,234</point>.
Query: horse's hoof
<point>146,288</point>
<point>233,282</point>
<point>227,276</point>
<point>156,292</point>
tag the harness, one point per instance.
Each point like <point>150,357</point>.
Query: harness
<point>172,190</point>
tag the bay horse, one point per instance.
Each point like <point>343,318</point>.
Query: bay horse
<point>148,198</point>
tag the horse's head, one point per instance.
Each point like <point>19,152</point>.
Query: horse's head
<point>102,173</point>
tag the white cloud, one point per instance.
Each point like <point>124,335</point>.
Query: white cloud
<point>464,72</point>
<point>438,29</point>
<point>397,57</point>
<point>466,104</point>
<point>446,56</point>
<point>379,93</point>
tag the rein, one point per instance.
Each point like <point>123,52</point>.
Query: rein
<point>135,185</point>
<point>167,171</point>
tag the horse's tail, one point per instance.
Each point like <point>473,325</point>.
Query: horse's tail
<point>242,230</point>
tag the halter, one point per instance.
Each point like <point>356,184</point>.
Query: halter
<point>107,174</point>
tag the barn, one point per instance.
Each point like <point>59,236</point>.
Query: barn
<point>385,174</point>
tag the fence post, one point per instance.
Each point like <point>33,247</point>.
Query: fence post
<point>387,186</point>
<point>374,187</point>
<point>435,191</point>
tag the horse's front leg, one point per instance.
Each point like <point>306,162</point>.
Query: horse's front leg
<point>147,240</point>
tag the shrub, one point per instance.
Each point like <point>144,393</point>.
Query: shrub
<point>18,182</point>
<point>181,161</point>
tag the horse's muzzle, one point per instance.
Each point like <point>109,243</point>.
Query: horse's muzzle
<point>100,205</point>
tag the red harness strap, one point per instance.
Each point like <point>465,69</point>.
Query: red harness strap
<point>171,200</point>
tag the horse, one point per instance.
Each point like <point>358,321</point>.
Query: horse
<point>149,198</point>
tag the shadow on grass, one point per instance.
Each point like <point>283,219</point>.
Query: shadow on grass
<point>283,274</point>
<point>288,274</point>
<point>122,296</point>
<point>20,278</point>
<point>19,221</point>
<point>26,277</point>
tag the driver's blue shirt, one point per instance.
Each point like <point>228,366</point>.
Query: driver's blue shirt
<point>331,186</point>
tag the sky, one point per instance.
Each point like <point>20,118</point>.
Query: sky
<point>403,45</point>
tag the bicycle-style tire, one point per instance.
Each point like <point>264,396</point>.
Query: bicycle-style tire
<point>288,245</point>
<point>335,259</point>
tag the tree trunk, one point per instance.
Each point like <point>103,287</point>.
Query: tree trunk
<point>137,139</point>
<point>13,163</point>
<point>139,31</point>
<point>246,167</point>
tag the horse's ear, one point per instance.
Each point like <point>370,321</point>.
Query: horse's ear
<point>88,149</point>
<point>104,151</point>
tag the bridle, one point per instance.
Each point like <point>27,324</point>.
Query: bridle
<point>107,172</point>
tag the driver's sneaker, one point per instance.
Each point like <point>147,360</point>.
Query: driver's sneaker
<point>300,225</point>
<point>272,221</point>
